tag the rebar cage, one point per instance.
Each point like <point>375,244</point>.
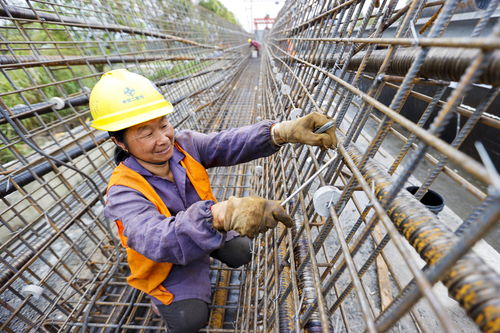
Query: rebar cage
<point>60,268</point>
<point>411,86</point>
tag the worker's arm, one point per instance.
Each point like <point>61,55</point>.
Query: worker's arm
<point>239,145</point>
<point>231,146</point>
<point>178,239</point>
<point>192,233</point>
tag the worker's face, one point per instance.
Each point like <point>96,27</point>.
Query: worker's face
<point>151,141</point>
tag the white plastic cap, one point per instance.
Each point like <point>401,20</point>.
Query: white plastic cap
<point>324,198</point>
<point>32,290</point>
<point>58,103</point>
<point>295,113</point>
<point>285,89</point>
<point>259,170</point>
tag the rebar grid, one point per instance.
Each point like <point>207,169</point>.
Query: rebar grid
<point>402,82</point>
<point>395,77</point>
<point>54,238</point>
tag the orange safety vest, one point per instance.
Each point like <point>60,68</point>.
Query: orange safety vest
<point>146,274</point>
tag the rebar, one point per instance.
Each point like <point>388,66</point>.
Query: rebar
<point>325,51</point>
<point>53,231</point>
<point>410,86</point>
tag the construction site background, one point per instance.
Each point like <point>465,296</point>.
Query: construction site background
<point>412,87</point>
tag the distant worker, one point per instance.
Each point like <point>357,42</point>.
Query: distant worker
<point>160,198</point>
<point>254,45</point>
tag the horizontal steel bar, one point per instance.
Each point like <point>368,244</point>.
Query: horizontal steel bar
<point>8,11</point>
<point>43,168</point>
<point>24,111</point>
<point>13,62</point>
<point>441,63</point>
<point>484,43</point>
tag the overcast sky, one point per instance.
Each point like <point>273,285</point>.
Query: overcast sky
<point>246,10</point>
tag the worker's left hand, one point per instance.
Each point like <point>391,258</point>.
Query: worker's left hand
<point>249,216</point>
<point>301,130</point>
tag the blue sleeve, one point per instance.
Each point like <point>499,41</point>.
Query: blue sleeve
<point>178,239</point>
<point>231,146</point>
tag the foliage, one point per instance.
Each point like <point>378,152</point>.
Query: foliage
<point>219,9</point>
<point>33,85</point>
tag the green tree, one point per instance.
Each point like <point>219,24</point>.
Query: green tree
<point>219,9</point>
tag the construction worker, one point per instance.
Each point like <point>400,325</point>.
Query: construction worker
<point>160,198</point>
<point>254,45</point>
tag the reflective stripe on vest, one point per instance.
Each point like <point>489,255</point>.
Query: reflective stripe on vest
<point>146,274</point>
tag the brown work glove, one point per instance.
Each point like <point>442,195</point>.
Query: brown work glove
<point>302,131</point>
<point>249,215</point>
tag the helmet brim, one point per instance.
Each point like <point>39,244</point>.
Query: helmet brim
<point>132,119</point>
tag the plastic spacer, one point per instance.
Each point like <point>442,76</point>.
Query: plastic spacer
<point>324,198</point>
<point>32,290</point>
<point>259,170</point>
<point>285,89</point>
<point>58,103</point>
<point>295,113</point>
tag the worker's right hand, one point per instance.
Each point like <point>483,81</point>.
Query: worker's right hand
<point>249,216</point>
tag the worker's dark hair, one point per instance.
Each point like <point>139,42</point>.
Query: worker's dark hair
<point>120,154</point>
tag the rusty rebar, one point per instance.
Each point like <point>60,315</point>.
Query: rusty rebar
<point>383,70</point>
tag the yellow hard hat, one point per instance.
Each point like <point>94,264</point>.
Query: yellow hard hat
<point>249,40</point>
<point>121,99</point>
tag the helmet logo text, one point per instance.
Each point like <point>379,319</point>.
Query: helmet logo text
<point>131,95</point>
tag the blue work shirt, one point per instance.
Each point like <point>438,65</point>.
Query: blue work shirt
<point>187,237</point>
